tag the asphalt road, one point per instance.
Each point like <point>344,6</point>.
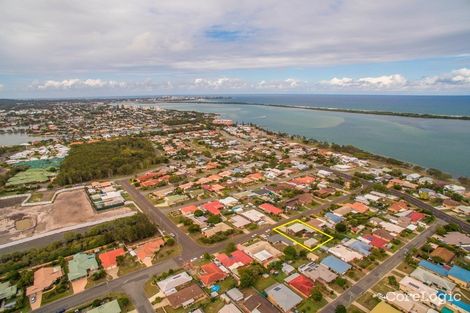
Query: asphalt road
<point>464,226</point>
<point>437,213</point>
<point>190,248</point>
<point>125,283</point>
<point>353,292</point>
<point>132,284</point>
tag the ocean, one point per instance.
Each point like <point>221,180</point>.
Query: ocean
<point>436,143</point>
<point>445,105</point>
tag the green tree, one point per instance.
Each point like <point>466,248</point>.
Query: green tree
<point>317,295</point>
<point>341,227</point>
<point>340,309</point>
<point>290,253</point>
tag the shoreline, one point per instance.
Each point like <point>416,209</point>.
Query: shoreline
<point>352,111</point>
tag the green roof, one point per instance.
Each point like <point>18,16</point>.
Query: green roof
<point>7,291</point>
<point>108,307</point>
<point>80,264</point>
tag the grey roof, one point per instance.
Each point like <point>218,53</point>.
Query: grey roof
<point>278,238</point>
<point>169,284</point>
<point>283,297</point>
<point>235,294</point>
<point>432,279</point>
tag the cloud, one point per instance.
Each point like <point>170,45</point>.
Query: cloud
<point>1,87</point>
<point>453,80</point>
<point>76,83</point>
<point>219,83</point>
<point>379,82</point>
<point>43,37</point>
<point>459,77</point>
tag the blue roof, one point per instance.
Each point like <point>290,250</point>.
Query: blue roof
<point>335,264</point>
<point>333,217</point>
<point>361,247</point>
<point>446,310</point>
<point>436,268</point>
<point>458,303</point>
<point>460,273</point>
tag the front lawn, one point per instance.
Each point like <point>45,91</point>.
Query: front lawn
<point>311,306</point>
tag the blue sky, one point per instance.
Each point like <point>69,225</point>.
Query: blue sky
<point>90,48</point>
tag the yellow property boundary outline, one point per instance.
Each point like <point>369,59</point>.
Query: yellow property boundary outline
<point>280,232</point>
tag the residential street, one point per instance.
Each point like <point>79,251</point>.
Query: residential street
<point>123,284</point>
<point>351,294</point>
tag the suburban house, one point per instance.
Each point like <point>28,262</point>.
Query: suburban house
<point>217,228</point>
<point>271,209</point>
<point>108,307</point>
<point>336,265</point>
<point>301,284</point>
<point>282,297</point>
<point>43,279</point>
<point>109,259</point>
<point>262,252</point>
<point>169,285</point>
<point>213,207</point>
<point>81,266</point>
<point>146,251</point>
<point>316,272</point>
<point>210,273</point>
<point>236,259</point>
<point>186,296</point>
<point>460,276</point>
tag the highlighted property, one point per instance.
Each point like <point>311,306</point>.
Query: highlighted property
<point>303,234</point>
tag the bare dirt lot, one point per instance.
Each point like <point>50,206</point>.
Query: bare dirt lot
<point>69,209</point>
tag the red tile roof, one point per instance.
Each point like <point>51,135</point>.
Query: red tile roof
<point>398,206</point>
<point>306,180</point>
<point>416,216</point>
<point>213,207</point>
<point>188,209</point>
<point>269,208</point>
<point>237,256</point>
<point>148,249</point>
<point>302,284</point>
<point>359,207</point>
<point>108,259</point>
<point>146,176</point>
<point>211,273</point>
<point>376,241</point>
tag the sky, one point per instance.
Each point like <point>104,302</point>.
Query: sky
<point>85,48</point>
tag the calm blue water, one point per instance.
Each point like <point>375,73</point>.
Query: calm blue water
<point>448,105</point>
<point>437,143</point>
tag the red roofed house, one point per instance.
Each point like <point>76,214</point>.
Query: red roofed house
<point>237,259</point>
<point>375,241</point>
<point>146,251</point>
<point>188,210</point>
<point>271,209</point>
<point>398,206</point>
<point>210,273</point>
<point>255,176</point>
<point>146,176</point>
<point>301,284</point>
<point>416,216</point>
<point>359,207</point>
<point>108,259</point>
<point>304,181</point>
<point>213,207</point>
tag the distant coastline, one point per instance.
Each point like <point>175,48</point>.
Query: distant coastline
<point>354,111</point>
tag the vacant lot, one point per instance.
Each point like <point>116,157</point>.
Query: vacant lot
<point>69,209</point>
